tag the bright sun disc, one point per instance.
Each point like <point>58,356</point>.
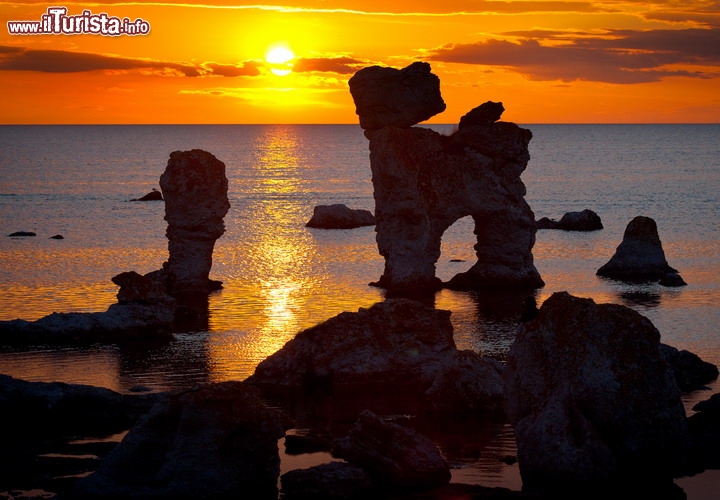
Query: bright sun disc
<point>279,58</point>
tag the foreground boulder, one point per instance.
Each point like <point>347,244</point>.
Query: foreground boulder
<point>398,350</point>
<point>42,408</point>
<point>339,216</point>
<point>395,457</point>
<point>219,441</point>
<point>640,256</point>
<point>591,399</point>
<point>587,220</point>
<point>41,425</point>
<point>330,481</point>
<point>423,182</point>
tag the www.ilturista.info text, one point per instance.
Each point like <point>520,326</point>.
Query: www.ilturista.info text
<point>57,22</point>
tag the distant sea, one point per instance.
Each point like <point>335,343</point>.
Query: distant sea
<point>281,277</point>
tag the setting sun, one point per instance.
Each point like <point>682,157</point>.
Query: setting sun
<point>280,57</point>
<point>549,62</point>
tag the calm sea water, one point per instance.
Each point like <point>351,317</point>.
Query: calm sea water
<point>281,277</point>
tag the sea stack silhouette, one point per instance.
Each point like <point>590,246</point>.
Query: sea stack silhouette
<point>195,187</point>
<point>640,256</point>
<point>424,181</point>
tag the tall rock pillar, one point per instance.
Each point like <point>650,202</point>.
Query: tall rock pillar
<point>424,181</point>
<point>195,190</point>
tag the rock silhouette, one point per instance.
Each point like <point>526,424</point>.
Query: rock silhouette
<point>339,216</point>
<point>423,182</point>
<point>398,346</point>
<point>640,256</point>
<point>591,399</point>
<point>195,190</point>
<point>219,441</point>
<point>587,220</point>
<point>395,456</point>
<point>389,97</point>
<point>153,195</point>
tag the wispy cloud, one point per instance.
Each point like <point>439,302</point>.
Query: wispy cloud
<point>248,68</point>
<point>341,65</point>
<point>369,7</point>
<point>63,61</point>
<point>616,56</point>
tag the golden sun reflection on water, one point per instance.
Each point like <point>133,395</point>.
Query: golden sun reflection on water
<point>273,274</point>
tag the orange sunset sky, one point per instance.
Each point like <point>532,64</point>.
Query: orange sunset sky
<point>550,61</point>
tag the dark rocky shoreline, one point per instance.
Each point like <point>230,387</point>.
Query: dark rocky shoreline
<point>200,442</point>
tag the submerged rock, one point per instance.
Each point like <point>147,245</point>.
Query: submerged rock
<point>153,195</point>
<point>423,182</point>
<point>587,220</point>
<point>640,255</point>
<point>339,216</point>
<point>591,399</point>
<point>219,441</point>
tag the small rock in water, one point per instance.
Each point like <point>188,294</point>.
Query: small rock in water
<point>153,195</point>
<point>339,216</point>
<point>587,220</point>
<point>21,234</point>
<point>57,237</point>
